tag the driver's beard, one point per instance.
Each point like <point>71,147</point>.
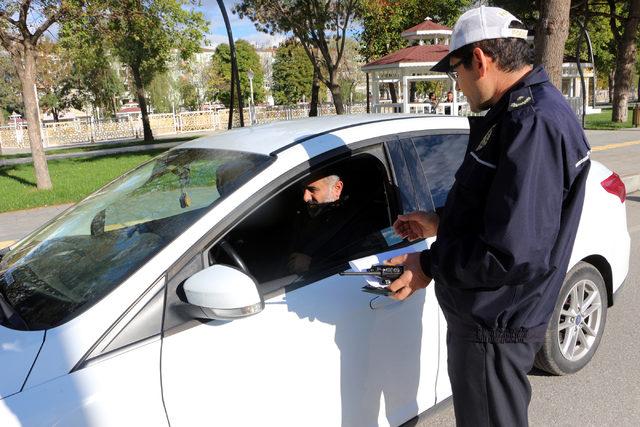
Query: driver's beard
<point>315,209</point>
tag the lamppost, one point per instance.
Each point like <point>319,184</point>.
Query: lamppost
<point>251,108</point>
<point>584,34</point>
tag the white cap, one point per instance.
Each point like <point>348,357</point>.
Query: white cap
<point>481,23</point>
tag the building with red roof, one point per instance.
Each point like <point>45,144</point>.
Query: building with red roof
<point>399,71</point>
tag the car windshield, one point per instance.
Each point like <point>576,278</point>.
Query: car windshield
<point>71,263</point>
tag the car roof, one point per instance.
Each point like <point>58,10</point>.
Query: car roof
<point>273,137</point>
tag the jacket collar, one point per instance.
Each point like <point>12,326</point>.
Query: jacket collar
<point>536,76</point>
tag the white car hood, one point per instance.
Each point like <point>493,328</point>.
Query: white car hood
<point>18,351</point>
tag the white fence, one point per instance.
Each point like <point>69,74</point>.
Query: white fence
<point>14,138</point>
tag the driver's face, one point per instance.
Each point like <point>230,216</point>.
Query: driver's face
<point>322,190</point>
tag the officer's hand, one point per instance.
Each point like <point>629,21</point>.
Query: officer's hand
<point>417,225</point>
<point>298,263</point>
<point>411,280</point>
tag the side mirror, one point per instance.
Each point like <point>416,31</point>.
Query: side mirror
<point>223,292</point>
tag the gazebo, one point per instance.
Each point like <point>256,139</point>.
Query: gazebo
<point>412,64</point>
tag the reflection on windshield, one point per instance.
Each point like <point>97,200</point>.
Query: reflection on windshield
<point>74,261</point>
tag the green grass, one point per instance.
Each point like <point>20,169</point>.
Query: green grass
<point>93,147</point>
<point>73,179</point>
<point>602,121</point>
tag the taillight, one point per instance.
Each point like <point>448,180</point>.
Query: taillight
<point>615,186</point>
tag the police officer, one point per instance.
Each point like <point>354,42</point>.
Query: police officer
<point>506,232</point>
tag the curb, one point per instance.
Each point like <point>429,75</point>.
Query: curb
<point>6,244</point>
<point>631,183</point>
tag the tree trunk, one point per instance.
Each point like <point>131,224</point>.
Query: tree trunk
<point>612,75</point>
<point>392,93</point>
<point>315,93</point>
<point>336,94</point>
<point>625,60</point>
<point>28,79</point>
<point>142,103</point>
<point>551,36</point>
<point>56,114</point>
<point>337,97</point>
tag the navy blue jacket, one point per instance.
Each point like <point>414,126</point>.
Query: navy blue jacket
<point>507,228</point>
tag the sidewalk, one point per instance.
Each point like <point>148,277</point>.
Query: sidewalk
<point>15,225</point>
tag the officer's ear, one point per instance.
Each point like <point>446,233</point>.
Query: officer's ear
<point>481,62</point>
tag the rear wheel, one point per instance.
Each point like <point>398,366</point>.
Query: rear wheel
<point>577,323</point>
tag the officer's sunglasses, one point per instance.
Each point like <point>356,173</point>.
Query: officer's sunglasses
<point>452,73</point>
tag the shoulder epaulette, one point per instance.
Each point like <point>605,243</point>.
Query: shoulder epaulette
<point>519,98</point>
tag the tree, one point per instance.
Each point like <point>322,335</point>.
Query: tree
<point>626,57</point>
<point>188,94</point>
<point>613,25</point>
<point>551,36</point>
<point>349,73</point>
<point>22,24</point>
<point>316,24</point>
<point>163,93</point>
<point>292,74</point>
<point>602,40</point>
<point>94,70</point>
<point>220,72</point>
<point>143,36</point>
<point>10,99</point>
<point>55,82</point>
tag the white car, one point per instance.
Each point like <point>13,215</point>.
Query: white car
<point>166,298</point>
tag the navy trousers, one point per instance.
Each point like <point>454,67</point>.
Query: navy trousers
<point>489,381</point>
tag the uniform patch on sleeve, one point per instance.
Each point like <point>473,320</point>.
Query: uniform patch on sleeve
<point>520,98</point>
<point>485,138</point>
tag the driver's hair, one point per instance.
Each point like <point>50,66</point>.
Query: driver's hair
<point>331,180</point>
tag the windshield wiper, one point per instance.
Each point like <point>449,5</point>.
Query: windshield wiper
<point>9,315</point>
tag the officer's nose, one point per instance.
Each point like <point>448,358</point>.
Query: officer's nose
<point>457,86</point>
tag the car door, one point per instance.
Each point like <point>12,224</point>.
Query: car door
<point>322,352</point>
<point>440,154</point>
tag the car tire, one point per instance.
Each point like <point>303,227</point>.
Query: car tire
<point>577,323</point>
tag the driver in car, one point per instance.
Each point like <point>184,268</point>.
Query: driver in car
<point>323,205</point>
<point>331,225</point>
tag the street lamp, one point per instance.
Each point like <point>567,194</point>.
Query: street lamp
<point>251,110</point>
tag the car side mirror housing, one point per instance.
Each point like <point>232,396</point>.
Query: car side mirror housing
<point>223,292</point>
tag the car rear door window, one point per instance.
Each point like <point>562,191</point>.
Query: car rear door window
<point>441,156</point>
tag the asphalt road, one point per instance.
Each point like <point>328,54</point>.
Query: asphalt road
<point>607,391</point>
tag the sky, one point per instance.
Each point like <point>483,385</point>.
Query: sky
<point>241,28</point>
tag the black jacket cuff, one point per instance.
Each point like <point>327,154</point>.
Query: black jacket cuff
<point>425,262</point>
